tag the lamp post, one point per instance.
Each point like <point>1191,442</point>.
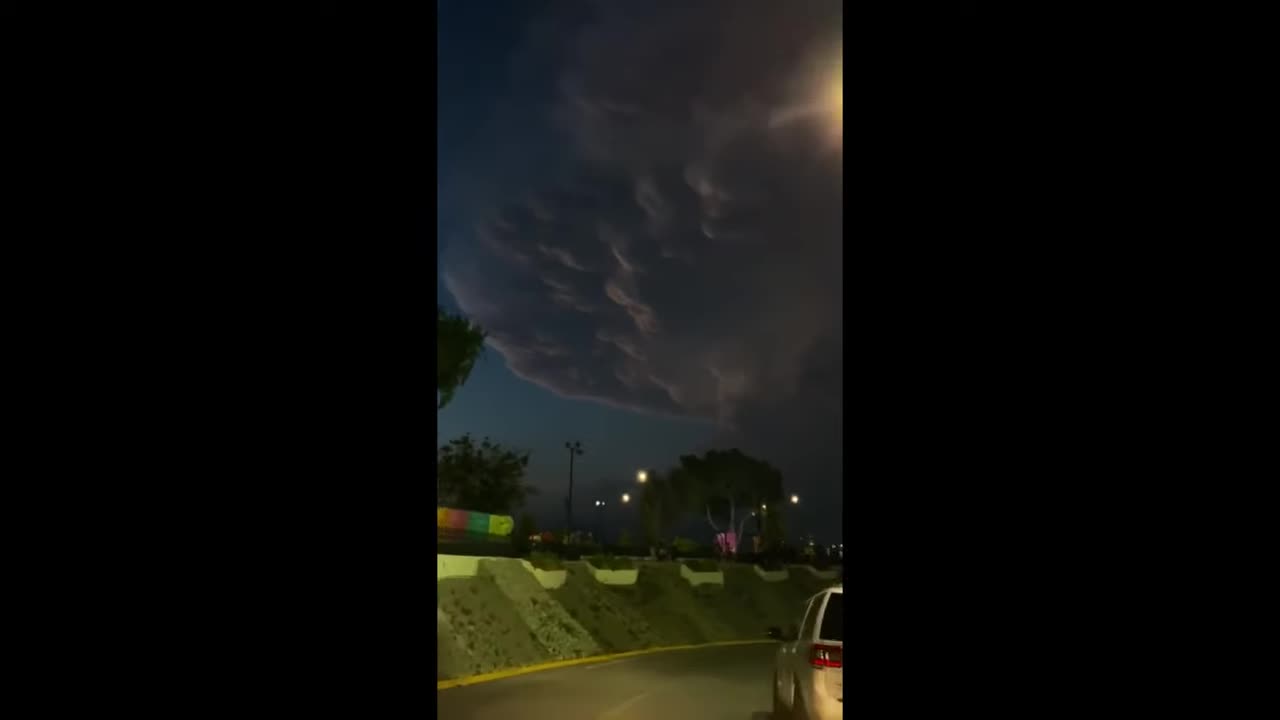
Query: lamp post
<point>599,523</point>
<point>764,509</point>
<point>575,449</point>
<point>626,518</point>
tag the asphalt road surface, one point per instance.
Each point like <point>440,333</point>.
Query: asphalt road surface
<point>714,683</point>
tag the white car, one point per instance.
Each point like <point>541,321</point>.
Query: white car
<point>808,670</point>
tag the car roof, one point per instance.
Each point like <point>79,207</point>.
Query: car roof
<point>827,591</point>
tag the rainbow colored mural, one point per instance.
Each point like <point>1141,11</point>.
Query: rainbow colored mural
<point>451,522</point>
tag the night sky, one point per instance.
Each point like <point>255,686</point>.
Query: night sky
<point>642,204</point>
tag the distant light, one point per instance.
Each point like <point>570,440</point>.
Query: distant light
<point>795,499</point>
<point>641,476</point>
<point>763,506</point>
<point>626,497</point>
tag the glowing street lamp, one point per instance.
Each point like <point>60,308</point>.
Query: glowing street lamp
<point>795,499</point>
<point>626,497</point>
<point>641,476</point>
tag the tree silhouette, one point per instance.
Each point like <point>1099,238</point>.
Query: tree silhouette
<point>723,481</point>
<point>458,344</point>
<point>661,507</point>
<point>484,477</point>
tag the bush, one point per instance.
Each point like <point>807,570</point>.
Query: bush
<point>624,550</point>
<point>545,561</point>
<point>771,564</point>
<point>702,565</point>
<point>489,548</point>
<point>609,562</point>
<point>563,551</point>
<point>526,527</point>
<point>684,545</point>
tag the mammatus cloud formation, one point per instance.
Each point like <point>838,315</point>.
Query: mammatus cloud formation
<point>691,266</point>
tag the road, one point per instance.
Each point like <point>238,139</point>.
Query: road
<point>713,683</point>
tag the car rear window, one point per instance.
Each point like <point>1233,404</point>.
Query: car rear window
<point>833,618</point>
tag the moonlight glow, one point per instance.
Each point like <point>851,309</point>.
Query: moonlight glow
<point>835,102</point>
<point>836,94</point>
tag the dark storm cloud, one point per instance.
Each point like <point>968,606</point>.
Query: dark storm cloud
<point>692,266</point>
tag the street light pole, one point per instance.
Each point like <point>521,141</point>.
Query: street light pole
<point>574,448</point>
<point>626,518</point>
<point>599,521</point>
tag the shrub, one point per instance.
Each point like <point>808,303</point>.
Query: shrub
<point>684,545</point>
<point>771,564</point>
<point>545,561</point>
<point>526,526</point>
<point>610,562</point>
<point>702,565</point>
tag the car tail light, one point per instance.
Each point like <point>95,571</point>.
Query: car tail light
<point>826,656</point>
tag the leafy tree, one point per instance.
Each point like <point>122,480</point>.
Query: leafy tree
<point>722,482</point>
<point>774,528</point>
<point>458,344</point>
<point>661,507</point>
<point>484,477</point>
<point>524,531</point>
<point>526,526</point>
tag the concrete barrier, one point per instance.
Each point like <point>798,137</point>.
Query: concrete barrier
<point>771,575</point>
<point>701,578</point>
<point>549,579</point>
<point>613,577</point>
<point>820,574</point>
<point>451,566</point>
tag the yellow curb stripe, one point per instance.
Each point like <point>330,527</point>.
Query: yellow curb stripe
<point>527,669</point>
